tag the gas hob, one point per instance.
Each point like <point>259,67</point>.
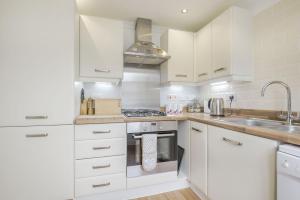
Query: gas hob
<point>142,113</point>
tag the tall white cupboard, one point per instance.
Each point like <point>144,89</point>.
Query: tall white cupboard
<point>36,107</point>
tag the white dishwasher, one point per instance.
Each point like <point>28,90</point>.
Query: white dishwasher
<point>288,172</point>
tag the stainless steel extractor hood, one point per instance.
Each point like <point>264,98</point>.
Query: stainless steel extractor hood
<point>143,51</point>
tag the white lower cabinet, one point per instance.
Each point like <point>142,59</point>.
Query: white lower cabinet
<point>240,166</point>
<point>99,131</point>
<point>37,163</point>
<point>198,155</point>
<point>100,184</point>
<point>100,166</point>
<point>100,148</point>
<point>100,153</point>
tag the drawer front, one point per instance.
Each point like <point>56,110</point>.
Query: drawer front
<point>100,131</point>
<point>100,166</point>
<point>100,148</point>
<point>100,184</point>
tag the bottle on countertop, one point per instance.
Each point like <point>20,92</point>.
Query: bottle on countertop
<point>90,106</point>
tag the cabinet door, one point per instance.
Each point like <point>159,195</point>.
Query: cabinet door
<point>37,61</point>
<point>198,152</point>
<point>181,50</point>
<point>203,54</point>
<point>221,45</point>
<point>37,163</point>
<point>101,47</point>
<point>241,166</point>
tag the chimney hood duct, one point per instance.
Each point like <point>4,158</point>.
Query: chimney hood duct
<point>143,51</point>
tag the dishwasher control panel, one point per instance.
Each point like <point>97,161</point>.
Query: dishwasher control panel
<point>288,164</point>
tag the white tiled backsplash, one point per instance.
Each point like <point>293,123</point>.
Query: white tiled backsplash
<point>178,94</point>
<point>277,57</point>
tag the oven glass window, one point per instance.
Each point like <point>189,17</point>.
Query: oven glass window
<point>166,149</point>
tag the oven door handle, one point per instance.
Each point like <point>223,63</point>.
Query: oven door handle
<point>159,136</point>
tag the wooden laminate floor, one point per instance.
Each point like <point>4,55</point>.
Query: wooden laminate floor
<point>185,194</point>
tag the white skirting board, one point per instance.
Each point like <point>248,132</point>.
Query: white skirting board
<point>198,192</point>
<point>180,183</point>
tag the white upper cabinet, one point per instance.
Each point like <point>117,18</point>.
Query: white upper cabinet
<point>240,166</point>
<point>203,54</point>
<point>221,45</point>
<point>37,62</point>
<point>226,52</point>
<point>180,46</point>
<point>101,48</point>
<point>232,52</point>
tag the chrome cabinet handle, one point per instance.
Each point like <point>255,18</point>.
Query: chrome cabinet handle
<point>101,132</point>
<point>101,148</point>
<point>101,166</point>
<point>181,75</point>
<point>101,185</point>
<point>203,74</point>
<point>197,130</point>
<point>102,70</point>
<point>36,117</point>
<point>159,136</point>
<point>232,142</point>
<point>220,69</point>
<point>37,135</point>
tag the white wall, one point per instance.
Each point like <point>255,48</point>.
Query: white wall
<point>277,57</point>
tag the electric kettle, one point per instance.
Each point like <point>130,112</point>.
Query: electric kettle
<point>216,106</point>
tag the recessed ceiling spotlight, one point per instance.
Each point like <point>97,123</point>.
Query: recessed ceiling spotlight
<point>184,11</point>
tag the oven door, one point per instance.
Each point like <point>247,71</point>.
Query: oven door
<point>166,153</point>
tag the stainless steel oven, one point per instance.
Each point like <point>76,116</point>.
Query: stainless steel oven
<point>166,146</point>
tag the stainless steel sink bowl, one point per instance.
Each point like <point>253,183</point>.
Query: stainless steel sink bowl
<point>253,122</point>
<point>269,124</point>
<point>289,129</point>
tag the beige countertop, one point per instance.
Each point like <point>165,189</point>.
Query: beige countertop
<point>199,117</point>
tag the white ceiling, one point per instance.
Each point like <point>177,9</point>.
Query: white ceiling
<point>167,12</point>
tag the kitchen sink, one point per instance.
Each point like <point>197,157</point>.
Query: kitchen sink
<point>253,122</point>
<point>270,124</point>
<point>289,129</point>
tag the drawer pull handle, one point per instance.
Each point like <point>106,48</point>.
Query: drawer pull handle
<point>197,130</point>
<point>102,70</point>
<point>159,136</point>
<point>220,69</point>
<point>203,74</point>
<point>101,132</point>
<point>181,75</point>
<point>101,148</point>
<point>37,135</point>
<point>101,166</point>
<point>36,117</point>
<point>101,185</point>
<point>232,142</point>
